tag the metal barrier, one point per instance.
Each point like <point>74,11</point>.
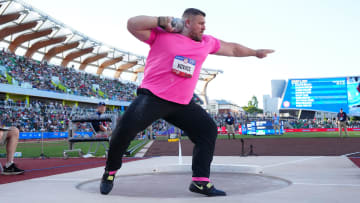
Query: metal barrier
<point>99,139</point>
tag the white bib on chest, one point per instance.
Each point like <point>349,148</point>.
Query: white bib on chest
<point>183,66</point>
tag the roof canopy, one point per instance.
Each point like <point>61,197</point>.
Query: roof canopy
<point>29,32</point>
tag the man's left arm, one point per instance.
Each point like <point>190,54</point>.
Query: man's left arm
<point>238,50</point>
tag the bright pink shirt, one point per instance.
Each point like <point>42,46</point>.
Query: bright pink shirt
<point>158,75</point>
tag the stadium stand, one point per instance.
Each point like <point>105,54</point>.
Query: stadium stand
<point>49,114</point>
<point>28,73</point>
<point>52,116</point>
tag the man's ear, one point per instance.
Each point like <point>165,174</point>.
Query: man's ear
<point>187,23</point>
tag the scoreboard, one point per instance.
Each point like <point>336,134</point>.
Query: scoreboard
<point>261,128</point>
<point>323,94</point>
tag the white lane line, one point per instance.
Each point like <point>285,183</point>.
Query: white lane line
<point>328,184</point>
<point>59,179</point>
<point>351,154</point>
<point>291,162</point>
<point>143,151</point>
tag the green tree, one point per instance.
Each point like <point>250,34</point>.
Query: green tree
<point>253,106</point>
<point>255,101</point>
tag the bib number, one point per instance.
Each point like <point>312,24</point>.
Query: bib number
<point>183,66</point>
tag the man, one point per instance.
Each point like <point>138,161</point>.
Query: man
<point>10,137</point>
<point>100,127</point>
<point>341,121</point>
<point>229,122</point>
<point>276,123</point>
<point>170,76</point>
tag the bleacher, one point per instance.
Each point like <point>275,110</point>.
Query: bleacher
<point>30,74</point>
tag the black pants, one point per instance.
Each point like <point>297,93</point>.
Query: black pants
<point>147,108</point>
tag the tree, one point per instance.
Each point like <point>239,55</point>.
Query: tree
<point>253,106</point>
<point>254,101</point>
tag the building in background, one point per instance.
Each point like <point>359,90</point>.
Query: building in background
<point>223,106</point>
<point>270,105</point>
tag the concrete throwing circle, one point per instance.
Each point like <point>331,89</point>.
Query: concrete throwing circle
<point>175,185</point>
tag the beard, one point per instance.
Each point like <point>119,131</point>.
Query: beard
<point>195,37</point>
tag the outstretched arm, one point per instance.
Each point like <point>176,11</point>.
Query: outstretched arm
<point>140,26</point>
<point>238,50</point>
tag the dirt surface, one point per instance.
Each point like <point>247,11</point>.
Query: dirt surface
<point>265,147</point>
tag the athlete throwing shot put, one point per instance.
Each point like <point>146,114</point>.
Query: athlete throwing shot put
<point>178,48</point>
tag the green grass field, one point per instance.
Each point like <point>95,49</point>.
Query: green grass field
<point>56,148</point>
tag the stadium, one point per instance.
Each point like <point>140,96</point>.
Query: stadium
<point>54,81</point>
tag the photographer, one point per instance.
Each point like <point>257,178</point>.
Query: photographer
<point>101,127</point>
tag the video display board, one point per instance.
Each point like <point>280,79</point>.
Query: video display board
<point>323,94</point>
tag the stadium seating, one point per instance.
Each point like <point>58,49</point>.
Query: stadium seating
<point>53,116</point>
<point>28,73</point>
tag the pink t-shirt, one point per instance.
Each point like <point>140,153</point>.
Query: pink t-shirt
<point>166,48</point>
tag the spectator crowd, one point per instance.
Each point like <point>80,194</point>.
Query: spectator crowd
<point>240,119</point>
<point>53,116</point>
<point>43,76</point>
<point>40,116</point>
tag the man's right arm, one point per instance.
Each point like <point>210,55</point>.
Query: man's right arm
<point>140,26</point>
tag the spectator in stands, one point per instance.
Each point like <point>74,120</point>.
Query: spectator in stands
<point>276,123</point>
<point>10,137</point>
<point>229,120</point>
<point>342,119</point>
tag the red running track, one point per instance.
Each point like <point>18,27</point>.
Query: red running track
<point>355,160</point>
<point>36,168</point>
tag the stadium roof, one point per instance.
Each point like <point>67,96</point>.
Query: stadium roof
<point>27,31</point>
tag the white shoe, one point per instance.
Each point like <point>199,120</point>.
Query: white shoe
<point>88,156</point>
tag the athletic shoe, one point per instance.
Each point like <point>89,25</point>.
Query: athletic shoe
<point>107,183</point>
<point>205,188</point>
<point>12,170</point>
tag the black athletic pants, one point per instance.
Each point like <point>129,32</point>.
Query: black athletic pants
<point>147,108</point>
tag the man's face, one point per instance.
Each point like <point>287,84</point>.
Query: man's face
<point>341,110</point>
<point>196,26</point>
<point>101,109</point>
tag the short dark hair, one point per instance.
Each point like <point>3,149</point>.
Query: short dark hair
<point>101,104</point>
<point>193,12</point>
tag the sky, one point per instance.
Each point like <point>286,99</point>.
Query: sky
<point>311,38</point>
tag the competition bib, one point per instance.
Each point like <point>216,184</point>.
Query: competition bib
<point>183,66</point>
